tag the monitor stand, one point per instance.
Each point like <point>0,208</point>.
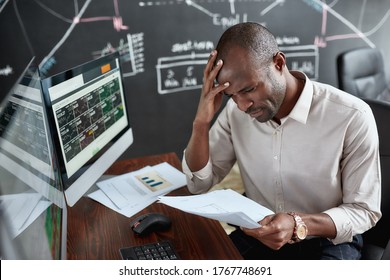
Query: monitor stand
<point>95,187</point>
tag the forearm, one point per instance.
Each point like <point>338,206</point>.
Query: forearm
<point>197,151</point>
<point>319,225</point>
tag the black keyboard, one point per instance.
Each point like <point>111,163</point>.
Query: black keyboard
<point>153,251</point>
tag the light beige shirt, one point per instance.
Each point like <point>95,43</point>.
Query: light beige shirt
<point>324,157</point>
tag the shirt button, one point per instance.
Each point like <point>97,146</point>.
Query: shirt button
<point>275,157</point>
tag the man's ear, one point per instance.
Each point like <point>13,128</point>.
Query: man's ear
<point>279,60</point>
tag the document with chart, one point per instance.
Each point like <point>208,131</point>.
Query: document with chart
<point>133,191</point>
<point>222,205</point>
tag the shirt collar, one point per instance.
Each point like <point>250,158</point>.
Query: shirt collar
<point>300,112</point>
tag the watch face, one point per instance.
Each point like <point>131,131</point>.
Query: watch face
<point>301,232</point>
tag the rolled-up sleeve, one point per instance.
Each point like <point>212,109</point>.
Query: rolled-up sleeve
<point>221,157</point>
<point>199,181</point>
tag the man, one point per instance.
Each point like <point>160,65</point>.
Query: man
<point>306,150</point>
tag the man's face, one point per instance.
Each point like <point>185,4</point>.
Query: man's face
<point>258,90</point>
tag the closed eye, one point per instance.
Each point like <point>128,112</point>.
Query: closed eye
<point>228,95</point>
<point>249,90</point>
<point>243,91</point>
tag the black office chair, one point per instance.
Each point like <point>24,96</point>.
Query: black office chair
<point>361,72</point>
<point>377,239</point>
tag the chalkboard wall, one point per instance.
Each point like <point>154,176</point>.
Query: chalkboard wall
<point>165,45</point>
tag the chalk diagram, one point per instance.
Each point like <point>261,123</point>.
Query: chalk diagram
<point>299,57</point>
<point>131,47</point>
<point>182,70</point>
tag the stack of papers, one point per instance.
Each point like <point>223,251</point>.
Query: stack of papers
<point>222,205</point>
<point>130,193</point>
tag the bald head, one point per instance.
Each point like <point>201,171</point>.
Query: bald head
<point>251,36</point>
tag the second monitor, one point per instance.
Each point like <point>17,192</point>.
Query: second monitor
<point>89,119</point>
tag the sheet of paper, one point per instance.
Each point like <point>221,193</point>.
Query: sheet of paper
<point>129,193</point>
<point>222,205</point>
<point>42,205</point>
<point>24,209</point>
<point>127,211</point>
<point>123,190</point>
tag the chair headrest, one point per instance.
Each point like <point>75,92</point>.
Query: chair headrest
<point>361,73</point>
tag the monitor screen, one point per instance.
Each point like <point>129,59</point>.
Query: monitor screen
<point>89,120</point>
<point>32,205</point>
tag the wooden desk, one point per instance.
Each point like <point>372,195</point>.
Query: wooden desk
<point>97,232</point>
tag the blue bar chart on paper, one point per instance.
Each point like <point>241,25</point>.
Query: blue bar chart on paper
<point>153,181</point>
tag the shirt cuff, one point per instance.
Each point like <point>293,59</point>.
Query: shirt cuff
<point>343,225</point>
<point>202,174</point>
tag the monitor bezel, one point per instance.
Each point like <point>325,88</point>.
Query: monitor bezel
<point>39,177</point>
<point>32,241</point>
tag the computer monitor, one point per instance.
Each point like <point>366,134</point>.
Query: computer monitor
<point>26,149</point>
<point>33,213</point>
<point>89,120</point>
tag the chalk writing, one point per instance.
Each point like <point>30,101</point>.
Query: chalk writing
<point>303,58</point>
<point>131,50</point>
<point>181,56</point>
<point>179,73</point>
<point>192,46</point>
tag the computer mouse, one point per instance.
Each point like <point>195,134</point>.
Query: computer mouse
<point>150,222</point>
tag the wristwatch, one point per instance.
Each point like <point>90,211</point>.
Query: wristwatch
<point>300,229</point>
